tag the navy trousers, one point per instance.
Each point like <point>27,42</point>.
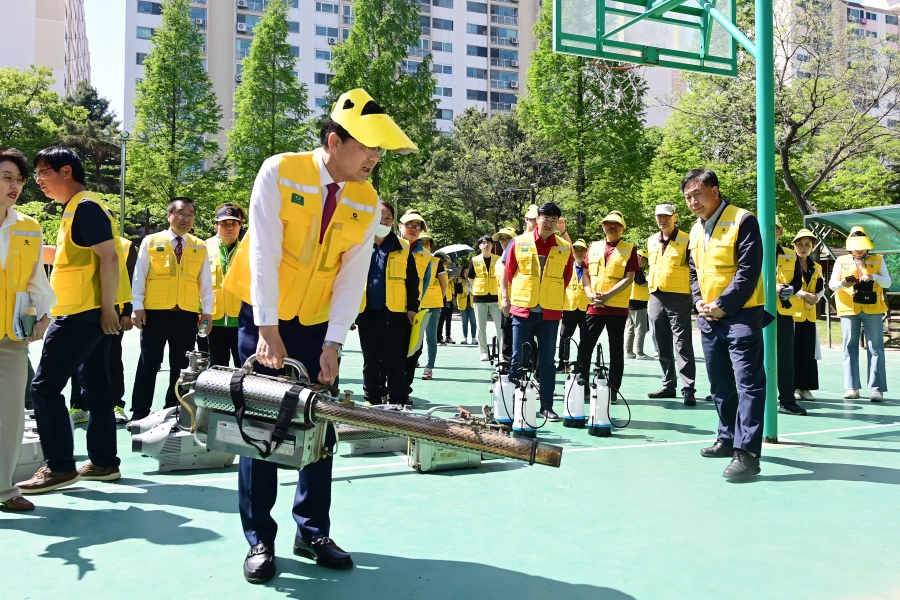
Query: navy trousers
<point>737,380</point>
<point>257,479</point>
<point>75,342</point>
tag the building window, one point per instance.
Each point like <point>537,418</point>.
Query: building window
<point>443,3</point>
<point>476,29</point>
<point>139,81</point>
<point>139,59</point>
<point>327,31</point>
<point>150,8</point>
<point>323,54</point>
<point>442,47</point>
<point>476,51</point>
<point>892,37</point>
<point>445,24</point>
<point>250,21</point>
<point>476,7</point>
<point>443,91</point>
<point>321,102</point>
<point>145,33</point>
<point>872,34</point>
<point>327,7</point>
<point>293,27</point>
<point>295,51</point>
<point>345,33</point>
<point>442,69</point>
<point>476,95</point>
<point>444,113</point>
<point>891,19</point>
<point>892,122</point>
<point>476,73</point>
<point>871,16</point>
<point>198,13</point>
<point>324,78</point>
<point>410,66</point>
<point>242,49</point>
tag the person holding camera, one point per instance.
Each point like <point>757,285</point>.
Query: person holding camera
<point>859,280</point>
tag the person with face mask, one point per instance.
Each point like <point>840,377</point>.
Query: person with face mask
<point>810,289</point>
<point>389,306</point>
<point>859,280</point>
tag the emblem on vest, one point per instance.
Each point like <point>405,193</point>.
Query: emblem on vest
<point>355,217</point>
<point>160,249</point>
<point>26,241</point>
<point>297,199</point>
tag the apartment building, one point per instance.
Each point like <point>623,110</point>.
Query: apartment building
<point>480,49</point>
<point>48,33</point>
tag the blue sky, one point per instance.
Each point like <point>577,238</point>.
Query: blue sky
<point>106,36</point>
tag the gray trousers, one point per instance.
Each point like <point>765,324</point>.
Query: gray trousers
<point>670,314</point>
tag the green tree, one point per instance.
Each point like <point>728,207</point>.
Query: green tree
<point>176,108</point>
<point>271,114</point>
<point>374,57</point>
<point>86,136</point>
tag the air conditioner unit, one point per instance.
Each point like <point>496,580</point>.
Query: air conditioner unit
<point>238,78</point>
<point>242,27</point>
<point>199,22</point>
<point>514,41</point>
<point>514,85</point>
<point>514,63</point>
<point>332,41</point>
<point>243,4</point>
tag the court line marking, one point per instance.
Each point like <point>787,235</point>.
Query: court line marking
<point>706,441</point>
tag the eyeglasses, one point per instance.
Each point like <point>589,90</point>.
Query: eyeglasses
<point>9,178</point>
<point>185,216</point>
<point>39,173</point>
<point>371,150</point>
<point>414,226</point>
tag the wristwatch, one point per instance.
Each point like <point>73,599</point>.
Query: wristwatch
<point>334,346</point>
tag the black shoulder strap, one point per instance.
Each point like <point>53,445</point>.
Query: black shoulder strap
<point>286,414</point>
<point>237,397</point>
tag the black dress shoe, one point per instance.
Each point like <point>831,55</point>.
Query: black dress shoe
<point>791,408</point>
<point>324,551</point>
<point>561,369</point>
<point>259,566</point>
<point>709,398</point>
<point>689,399</point>
<point>664,392</point>
<point>718,450</point>
<point>743,466</point>
<point>551,416</point>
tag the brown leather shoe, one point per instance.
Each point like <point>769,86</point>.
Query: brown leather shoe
<point>89,472</point>
<point>17,503</point>
<point>46,480</point>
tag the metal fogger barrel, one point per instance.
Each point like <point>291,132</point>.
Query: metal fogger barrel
<point>243,406</point>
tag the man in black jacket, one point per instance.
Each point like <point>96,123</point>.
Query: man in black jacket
<point>389,309</point>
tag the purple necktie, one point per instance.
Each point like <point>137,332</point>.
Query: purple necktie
<point>178,249</point>
<point>329,208</point>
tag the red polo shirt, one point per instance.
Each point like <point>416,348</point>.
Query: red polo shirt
<point>512,266</point>
<point>630,267</point>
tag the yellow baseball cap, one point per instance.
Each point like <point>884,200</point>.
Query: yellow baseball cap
<point>579,243</point>
<point>805,233</point>
<point>615,217</point>
<point>505,231</point>
<point>366,121</point>
<point>532,212</point>
<point>859,240</point>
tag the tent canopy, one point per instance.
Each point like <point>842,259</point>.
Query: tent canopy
<point>882,224</point>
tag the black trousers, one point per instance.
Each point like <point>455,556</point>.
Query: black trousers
<point>806,367</point>
<point>785,351</point>
<point>384,338</point>
<point>445,320</point>
<point>571,320</point>
<point>615,356</point>
<point>116,377</point>
<point>71,342</point>
<point>178,329</point>
<point>223,345</point>
<point>507,346</point>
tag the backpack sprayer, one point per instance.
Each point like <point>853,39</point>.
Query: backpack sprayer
<point>502,390</point>
<point>283,420</point>
<point>574,398</point>
<point>600,424</point>
<point>524,413</point>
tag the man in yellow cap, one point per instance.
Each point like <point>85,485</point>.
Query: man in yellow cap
<point>412,228</point>
<point>575,305</point>
<point>300,272</point>
<point>859,280</point>
<point>482,273</point>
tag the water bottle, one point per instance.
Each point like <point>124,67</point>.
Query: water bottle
<point>201,331</point>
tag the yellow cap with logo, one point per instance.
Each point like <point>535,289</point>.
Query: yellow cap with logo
<point>642,252</point>
<point>532,211</point>
<point>366,121</point>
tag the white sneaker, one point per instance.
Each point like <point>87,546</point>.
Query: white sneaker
<point>877,396</point>
<point>644,357</point>
<point>485,357</point>
<point>629,355</point>
<point>851,394</point>
<point>121,417</point>
<point>806,395</point>
<point>79,416</point>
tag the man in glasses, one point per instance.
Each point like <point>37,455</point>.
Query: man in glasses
<point>172,280</point>
<point>300,272</point>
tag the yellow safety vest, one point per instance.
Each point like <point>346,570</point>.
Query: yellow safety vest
<point>802,310</point>
<point>669,270</point>
<point>75,278</point>
<point>463,300</point>
<point>395,280</point>
<point>24,248</point>
<point>170,283</point>
<point>224,302</point>
<point>717,264</point>
<point>604,276</point>
<point>531,286</point>
<point>576,297</point>
<point>126,246</point>
<point>640,292</point>
<point>485,283</point>
<point>784,274</point>
<point>308,268</point>
<point>843,298</point>
<point>433,297</point>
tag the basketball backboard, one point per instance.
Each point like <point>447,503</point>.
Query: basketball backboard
<point>678,34</point>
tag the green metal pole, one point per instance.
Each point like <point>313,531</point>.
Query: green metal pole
<point>765,183</point>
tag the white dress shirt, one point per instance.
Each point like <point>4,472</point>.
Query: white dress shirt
<point>142,267</point>
<point>266,237</point>
<point>883,278</point>
<point>38,288</point>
